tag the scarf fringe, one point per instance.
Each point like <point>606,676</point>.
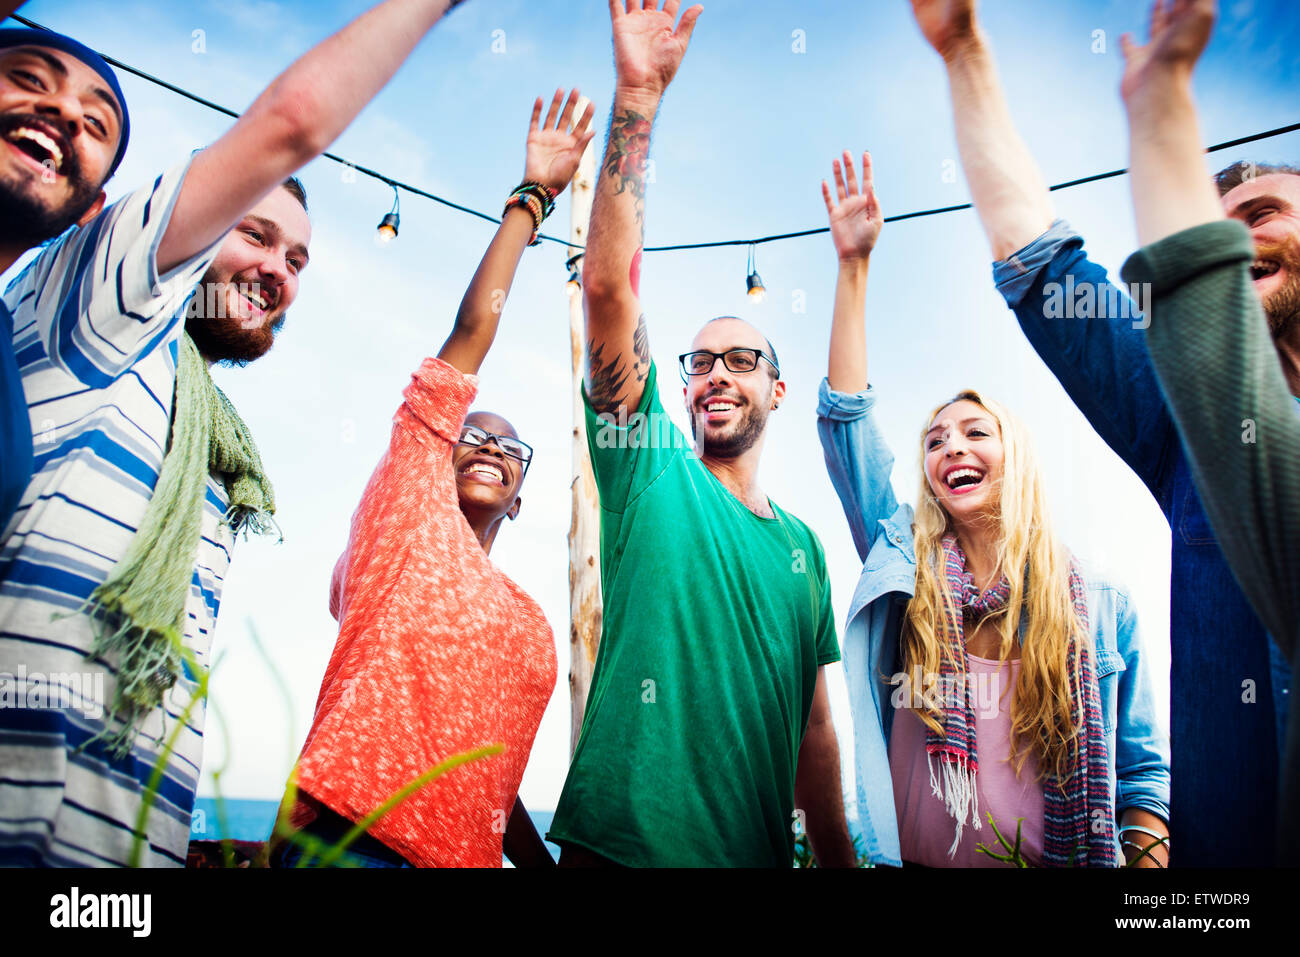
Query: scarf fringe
<point>247,519</point>
<point>149,664</point>
<point>955,786</point>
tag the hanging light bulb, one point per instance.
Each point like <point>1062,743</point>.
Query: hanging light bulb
<point>387,231</point>
<point>753,284</point>
<point>574,285</point>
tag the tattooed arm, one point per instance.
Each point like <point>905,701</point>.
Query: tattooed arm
<point>647,53</point>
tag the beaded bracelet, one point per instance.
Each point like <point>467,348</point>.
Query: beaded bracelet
<point>542,191</point>
<point>538,199</point>
<point>534,209</point>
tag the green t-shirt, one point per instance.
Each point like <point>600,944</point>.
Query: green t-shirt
<point>715,622</point>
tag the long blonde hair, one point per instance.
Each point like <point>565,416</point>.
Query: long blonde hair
<point>1037,566</point>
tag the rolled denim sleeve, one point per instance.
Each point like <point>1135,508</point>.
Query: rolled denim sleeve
<point>1088,332</point>
<point>1141,748</point>
<point>858,460</point>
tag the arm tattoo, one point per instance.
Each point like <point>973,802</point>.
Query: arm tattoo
<point>609,378</point>
<point>641,346</point>
<point>626,155</point>
<point>606,378</point>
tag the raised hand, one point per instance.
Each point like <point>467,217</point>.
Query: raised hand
<point>647,50</point>
<point>945,24</point>
<point>856,219</point>
<point>1180,30</point>
<point>554,150</point>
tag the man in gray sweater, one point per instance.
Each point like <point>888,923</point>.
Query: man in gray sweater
<point>1225,305</point>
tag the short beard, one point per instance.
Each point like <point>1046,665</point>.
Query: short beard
<point>1282,306</point>
<point>28,221</point>
<point>224,340</point>
<point>747,432</point>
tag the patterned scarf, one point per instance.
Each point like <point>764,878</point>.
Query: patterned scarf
<point>140,608</point>
<point>1078,820</point>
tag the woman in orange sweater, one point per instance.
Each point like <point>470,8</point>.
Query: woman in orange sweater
<point>439,652</point>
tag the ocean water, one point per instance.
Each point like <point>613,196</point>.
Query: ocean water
<point>252,820</point>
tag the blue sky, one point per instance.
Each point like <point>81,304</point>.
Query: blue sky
<point>746,134</point>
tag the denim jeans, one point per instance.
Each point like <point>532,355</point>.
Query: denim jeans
<point>330,828</point>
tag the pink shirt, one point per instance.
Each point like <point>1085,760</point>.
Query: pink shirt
<point>925,829</point>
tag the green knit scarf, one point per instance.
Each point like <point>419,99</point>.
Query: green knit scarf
<point>140,609</point>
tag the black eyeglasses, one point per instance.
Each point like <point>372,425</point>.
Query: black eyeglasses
<point>473,436</point>
<point>736,360</point>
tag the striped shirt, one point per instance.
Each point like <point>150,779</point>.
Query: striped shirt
<point>95,333</point>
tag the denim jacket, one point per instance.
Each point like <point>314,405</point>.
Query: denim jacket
<point>860,464</point>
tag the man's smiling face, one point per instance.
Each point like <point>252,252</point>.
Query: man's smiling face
<point>60,126</point>
<point>728,410</point>
<point>246,292</point>
<point>1269,206</point>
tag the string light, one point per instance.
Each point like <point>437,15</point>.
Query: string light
<point>415,190</point>
<point>753,284</point>
<point>387,231</point>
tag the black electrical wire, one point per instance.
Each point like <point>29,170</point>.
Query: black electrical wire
<point>396,184</point>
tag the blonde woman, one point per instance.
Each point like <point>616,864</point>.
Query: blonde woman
<point>989,676</point>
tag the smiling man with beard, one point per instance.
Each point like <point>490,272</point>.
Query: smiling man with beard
<point>707,735</point>
<point>243,298</point>
<point>144,473</point>
<point>49,187</point>
<point>1225,304</point>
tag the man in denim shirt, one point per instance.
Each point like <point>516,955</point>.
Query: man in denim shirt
<point>1229,683</point>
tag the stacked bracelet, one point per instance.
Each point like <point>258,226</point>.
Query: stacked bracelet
<point>538,199</point>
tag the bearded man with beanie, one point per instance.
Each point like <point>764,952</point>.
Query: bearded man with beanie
<point>111,568</point>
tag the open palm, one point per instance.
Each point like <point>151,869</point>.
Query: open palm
<point>1180,30</point>
<point>554,150</point>
<point>856,219</point>
<point>647,50</point>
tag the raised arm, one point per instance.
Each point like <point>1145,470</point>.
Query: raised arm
<point>551,158</point>
<point>1208,337</point>
<point>647,52</point>
<point>1006,187</point>
<point>1097,353</point>
<point>857,458</point>
<point>1171,184</point>
<point>294,120</point>
<point>856,222</point>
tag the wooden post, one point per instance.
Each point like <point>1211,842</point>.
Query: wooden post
<point>584,529</point>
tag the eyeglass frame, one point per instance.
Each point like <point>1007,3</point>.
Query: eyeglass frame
<point>494,438</point>
<point>758,353</point>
